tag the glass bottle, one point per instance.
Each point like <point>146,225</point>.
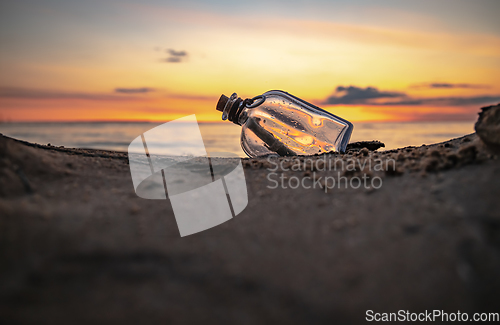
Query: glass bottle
<point>279,123</point>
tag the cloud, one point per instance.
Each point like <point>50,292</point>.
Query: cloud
<point>175,56</point>
<point>28,93</point>
<point>357,95</point>
<point>353,95</point>
<point>172,59</point>
<point>447,101</point>
<point>176,53</point>
<point>446,85</point>
<point>142,90</point>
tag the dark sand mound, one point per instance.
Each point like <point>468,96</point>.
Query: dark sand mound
<point>77,246</point>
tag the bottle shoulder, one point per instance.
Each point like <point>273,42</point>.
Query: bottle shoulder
<point>303,103</point>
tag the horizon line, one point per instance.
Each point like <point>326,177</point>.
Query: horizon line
<point>213,122</point>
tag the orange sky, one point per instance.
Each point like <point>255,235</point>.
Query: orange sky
<point>110,60</point>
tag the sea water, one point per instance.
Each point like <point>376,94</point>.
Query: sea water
<point>220,137</point>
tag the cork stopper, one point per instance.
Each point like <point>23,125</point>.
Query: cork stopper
<point>222,103</point>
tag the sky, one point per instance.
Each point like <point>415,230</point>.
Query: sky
<point>66,60</point>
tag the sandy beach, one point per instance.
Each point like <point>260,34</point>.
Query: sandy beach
<point>78,246</point>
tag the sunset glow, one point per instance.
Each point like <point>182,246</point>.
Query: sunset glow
<point>157,61</point>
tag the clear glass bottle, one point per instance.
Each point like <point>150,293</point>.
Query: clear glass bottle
<point>279,123</point>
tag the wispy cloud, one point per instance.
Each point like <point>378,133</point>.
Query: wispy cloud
<point>444,101</point>
<point>175,56</point>
<point>40,94</point>
<point>353,95</point>
<point>142,90</point>
<point>447,85</point>
<point>474,43</point>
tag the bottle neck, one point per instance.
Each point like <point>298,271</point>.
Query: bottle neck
<point>243,116</point>
<point>234,109</point>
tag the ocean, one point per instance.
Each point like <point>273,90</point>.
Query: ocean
<point>220,136</point>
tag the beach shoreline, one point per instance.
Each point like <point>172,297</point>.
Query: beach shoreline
<point>78,245</point>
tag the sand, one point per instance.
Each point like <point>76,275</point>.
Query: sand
<point>77,246</point>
